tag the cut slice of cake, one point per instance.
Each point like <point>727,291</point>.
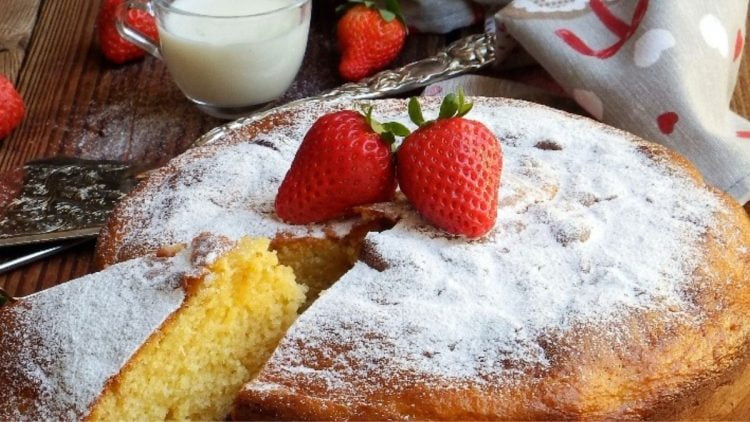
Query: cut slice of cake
<point>154,338</point>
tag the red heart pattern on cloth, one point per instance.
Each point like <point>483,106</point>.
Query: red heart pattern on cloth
<point>661,70</point>
<point>667,122</point>
<point>738,44</point>
<point>621,29</point>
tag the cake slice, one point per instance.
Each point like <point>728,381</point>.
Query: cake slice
<point>170,336</point>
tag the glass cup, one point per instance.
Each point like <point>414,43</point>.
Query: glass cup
<point>227,56</point>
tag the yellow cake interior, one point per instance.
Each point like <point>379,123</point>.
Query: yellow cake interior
<point>230,323</point>
<point>319,262</point>
<point>227,328</point>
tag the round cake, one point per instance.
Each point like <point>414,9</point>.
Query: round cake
<point>614,284</point>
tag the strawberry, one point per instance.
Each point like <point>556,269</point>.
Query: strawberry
<point>11,107</point>
<point>115,48</point>
<point>450,168</point>
<point>370,38</point>
<point>345,160</point>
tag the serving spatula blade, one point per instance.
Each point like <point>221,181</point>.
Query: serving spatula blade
<point>62,198</point>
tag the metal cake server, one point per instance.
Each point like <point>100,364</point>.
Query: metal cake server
<point>64,198</point>
<point>67,198</point>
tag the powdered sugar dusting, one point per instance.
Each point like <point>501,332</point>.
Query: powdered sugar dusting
<point>230,191</point>
<point>65,343</point>
<point>588,231</point>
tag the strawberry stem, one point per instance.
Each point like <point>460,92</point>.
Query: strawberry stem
<point>463,107</point>
<point>391,11</point>
<point>394,8</point>
<point>415,111</point>
<point>453,105</point>
<point>387,131</point>
<point>449,107</point>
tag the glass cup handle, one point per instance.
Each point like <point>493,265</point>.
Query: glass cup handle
<point>130,33</point>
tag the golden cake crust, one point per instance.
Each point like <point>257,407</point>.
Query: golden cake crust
<point>650,366</point>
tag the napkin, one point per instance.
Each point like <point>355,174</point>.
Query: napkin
<point>663,70</point>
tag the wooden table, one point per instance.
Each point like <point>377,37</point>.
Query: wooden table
<point>80,105</point>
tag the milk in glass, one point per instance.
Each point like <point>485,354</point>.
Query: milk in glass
<point>237,61</point>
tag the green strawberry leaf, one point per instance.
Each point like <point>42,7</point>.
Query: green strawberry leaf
<point>377,127</point>
<point>415,111</point>
<point>449,107</point>
<point>465,109</point>
<point>390,138</point>
<point>374,124</point>
<point>391,11</point>
<point>387,15</point>
<point>366,111</point>
<point>394,7</point>
<point>340,9</point>
<point>387,131</point>
<point>397,129</point>
<point>453,105</point>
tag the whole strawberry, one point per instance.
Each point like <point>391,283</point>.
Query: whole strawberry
<point>115,48</point>
<point>370,38</point>
<point>450,168</point>
<point>345,160</point>
<point>11,107</point>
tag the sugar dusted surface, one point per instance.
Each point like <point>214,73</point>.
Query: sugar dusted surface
<point>69,340</point>
<point>229,191</point>
<point>589,229</point>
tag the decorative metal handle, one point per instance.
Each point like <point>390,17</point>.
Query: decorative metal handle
<point>52,204</point>
<point>132,34</point>
<point>465,55</point>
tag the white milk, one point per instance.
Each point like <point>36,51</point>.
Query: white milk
<point>234,62</point>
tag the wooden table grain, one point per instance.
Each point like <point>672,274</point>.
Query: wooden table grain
<point>80,105</point>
